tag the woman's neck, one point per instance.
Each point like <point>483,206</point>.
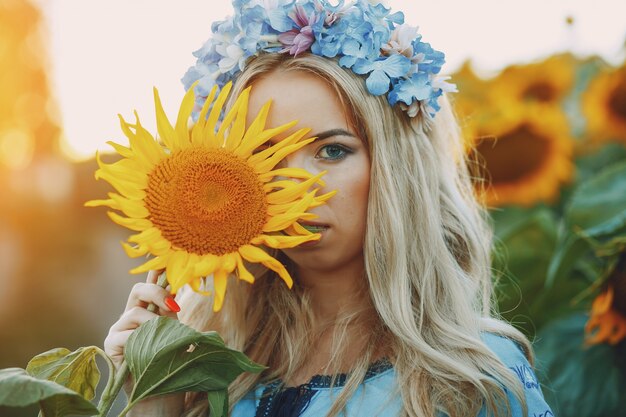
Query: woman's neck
<point>337,292</point>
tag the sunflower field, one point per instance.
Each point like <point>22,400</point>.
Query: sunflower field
<point>547,144</point>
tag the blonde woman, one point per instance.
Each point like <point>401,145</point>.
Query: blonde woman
<point>391,313</point>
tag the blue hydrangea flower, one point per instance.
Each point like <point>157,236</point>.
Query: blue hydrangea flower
<point>362,35</point>
<point>417,87</point>
<point>380,72</point>
<point>432,60</point>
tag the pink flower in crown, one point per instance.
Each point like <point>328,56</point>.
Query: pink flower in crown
<point>299,40</point>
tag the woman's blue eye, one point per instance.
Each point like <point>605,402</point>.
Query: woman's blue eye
<point>332,152</point>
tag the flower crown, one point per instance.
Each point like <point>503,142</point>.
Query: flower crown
<point>362,34</point>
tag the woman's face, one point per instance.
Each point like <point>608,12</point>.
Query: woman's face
<point>298,95</point>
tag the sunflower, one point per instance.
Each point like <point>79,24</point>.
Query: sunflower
<point>546,82</point>
<point>604,105</point>
<point>523,154</point>
<point>205,200</point>
<point>471,102</point>
<point>607,322</point>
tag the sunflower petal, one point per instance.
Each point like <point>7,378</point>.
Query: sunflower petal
<point>242,272</point>
<point>284,242</point>
<point>164,127</point>
<point>120,149</point>
<point>123,187</point>
<point>289,194</point>
<point>179,270</point>
<point>184,113</point>
<point>236,129</point>
<point>282,221</point>
<point>131,208</point>
<point>277,150</point>
<point>148,144</point>
<point>159,262</point>
<point>269,164</point>
<point>206,265</point>
<point>103,203</point>
<point>196,284</point>
<point>134,251</point>
<point>159,247</point>
<point>288,172</point>
<point>219,286</point>
<point>137,225</point>
<point>250,142</point>
<point>258,124</point>
<point>216,111</point>
<point>146,237</point>
<point>198,134</point>
<point>256,255</point>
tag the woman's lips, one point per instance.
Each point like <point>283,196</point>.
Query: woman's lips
<point>314,227</point>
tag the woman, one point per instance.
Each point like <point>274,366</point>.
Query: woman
<point>391,311</point>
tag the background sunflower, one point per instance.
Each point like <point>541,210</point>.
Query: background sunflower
<point>604,105</point>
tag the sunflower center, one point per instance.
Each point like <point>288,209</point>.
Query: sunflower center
<point>540,91</point>
<point>206,201</point>
<point>617,101</point>
<point>513,156</point>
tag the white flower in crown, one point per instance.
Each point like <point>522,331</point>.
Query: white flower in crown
<point>401,41</point>
<point>233,56</point>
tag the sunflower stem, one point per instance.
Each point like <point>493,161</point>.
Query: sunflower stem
<point>112,390</point>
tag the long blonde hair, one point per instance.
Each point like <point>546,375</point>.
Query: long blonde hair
<point>427,262</point>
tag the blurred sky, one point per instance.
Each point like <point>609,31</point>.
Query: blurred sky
<point>106,55</point>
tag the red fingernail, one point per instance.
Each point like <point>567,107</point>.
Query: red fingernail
<point>172,304</point>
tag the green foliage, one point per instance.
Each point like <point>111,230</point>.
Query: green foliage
<point>218,403</point>
<point>595,218</point>
<point>526,241</point>
<point>19,389</point>
<point>75,370</point>
<point>162,362</point>
<point>579,380</point>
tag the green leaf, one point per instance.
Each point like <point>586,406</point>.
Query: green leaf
<point>566,257</point>
<point>19,389</point>
<point>599,204</point>
<point>76,370</point>
<point>580,380</point>
<point>161,360</point>
<point>526,246</point>
<point>218,403</point>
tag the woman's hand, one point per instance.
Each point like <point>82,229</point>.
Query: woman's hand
<point>136,313</point>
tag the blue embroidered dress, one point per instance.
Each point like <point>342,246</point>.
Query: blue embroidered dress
<point>378,395</point>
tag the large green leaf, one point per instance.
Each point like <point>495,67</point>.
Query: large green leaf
<point>19,389</point>
<point>580,381</point>
<point>600,203</point>
<point>76,370</point>
<point>161,360</point>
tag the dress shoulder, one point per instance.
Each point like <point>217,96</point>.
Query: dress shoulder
<point>512,356</point>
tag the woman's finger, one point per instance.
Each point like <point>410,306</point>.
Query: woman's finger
<point>143,294</point>
<point>132,319</point>
<point>115,342</point>
<point>153,276</point>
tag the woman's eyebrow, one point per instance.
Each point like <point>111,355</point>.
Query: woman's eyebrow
<point>333,132</point>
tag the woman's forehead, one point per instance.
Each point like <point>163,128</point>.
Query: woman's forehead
<point>297,95</point>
